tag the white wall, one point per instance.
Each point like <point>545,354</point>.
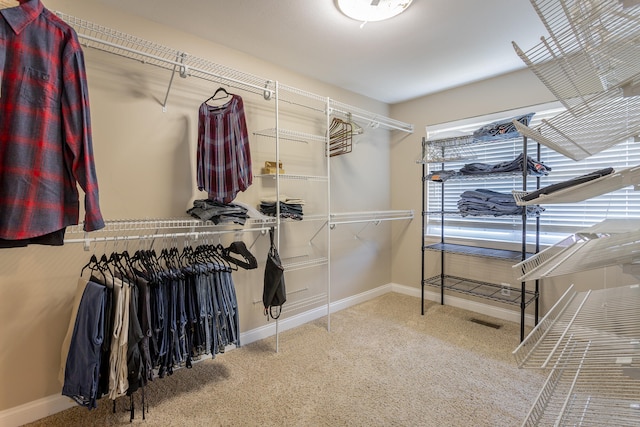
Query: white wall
<point>511,91</point>
<point>145,161</point>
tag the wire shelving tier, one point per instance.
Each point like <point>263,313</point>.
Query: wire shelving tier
<point>577,193</point>
<point>604,246</point>
<point>452,149</point>
<point>591,63</point>
<point>590,343</point>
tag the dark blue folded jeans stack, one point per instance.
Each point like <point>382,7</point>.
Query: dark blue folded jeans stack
<point>488,202</point>
<point>534,168</point>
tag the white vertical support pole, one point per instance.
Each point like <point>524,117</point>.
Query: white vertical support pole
<point>277,159</point>
<point>327,156</point>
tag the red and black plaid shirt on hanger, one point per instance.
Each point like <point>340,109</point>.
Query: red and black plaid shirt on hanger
<point>45,128</point>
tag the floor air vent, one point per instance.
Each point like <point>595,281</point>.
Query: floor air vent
<point>485,323</point>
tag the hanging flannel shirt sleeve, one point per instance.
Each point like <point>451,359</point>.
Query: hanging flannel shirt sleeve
<point>202,170</point>
<point>243,149</point>
<point>77,132</point>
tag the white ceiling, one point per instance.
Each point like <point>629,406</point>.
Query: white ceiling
<point>433,45</point>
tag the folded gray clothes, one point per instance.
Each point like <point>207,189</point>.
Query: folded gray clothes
<point>217,212</point>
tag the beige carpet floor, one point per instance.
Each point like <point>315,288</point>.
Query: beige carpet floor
<point>382,364</point>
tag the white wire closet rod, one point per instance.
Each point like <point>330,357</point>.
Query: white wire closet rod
<point>299,265</point>
<point>193,235</point>
<point>586,190</point>
<point>373,120</point>
<point>583,255</point>
<point>371,216</point>
<point>293,177</point>
<point>121,230</point>
<point>592,330</point>
<point>592,47</point>
<point>602,122</point>
<point>129,46</point>
<point>290,135</point>
<point>132,225</point>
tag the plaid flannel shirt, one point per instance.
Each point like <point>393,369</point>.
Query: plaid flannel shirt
<point>45,129</point>
<point>224,153</point>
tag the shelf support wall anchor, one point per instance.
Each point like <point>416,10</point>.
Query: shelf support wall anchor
<point>184,72</point>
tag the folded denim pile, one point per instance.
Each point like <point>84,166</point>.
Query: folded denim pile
<point>481,202</point>
<point>501,129</point>
<point>289,207</point>
<point>217,212</point>
<point>534,168</point>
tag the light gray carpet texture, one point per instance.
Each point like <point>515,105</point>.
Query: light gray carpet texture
<point>381,364</point>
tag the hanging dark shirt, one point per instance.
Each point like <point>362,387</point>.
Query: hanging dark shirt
<point>45,128</point>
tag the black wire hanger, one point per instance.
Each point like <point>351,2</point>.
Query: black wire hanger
<point>220,89</point>
<point>248,262</point>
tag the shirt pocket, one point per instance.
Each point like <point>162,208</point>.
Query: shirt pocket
<point>37,89</point>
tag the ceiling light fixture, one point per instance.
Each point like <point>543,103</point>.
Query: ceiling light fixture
<point>372,10</point>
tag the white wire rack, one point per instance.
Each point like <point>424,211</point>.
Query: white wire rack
<point>127,230</point>
<point>373,120</point>
<point>178,61</point>
<point>308,263</point>
<point>591,64</point>
<point>374,217</point>
<point>602,121</point>
<point>577,193</point>
<point>447,149</point>
<point>293,177</point>
<point>582,252</point>
<point>592,47</point>
<point>291,135</point>
<point>590,341</point>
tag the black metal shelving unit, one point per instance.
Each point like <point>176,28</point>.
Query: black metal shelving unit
<point>456,149</point>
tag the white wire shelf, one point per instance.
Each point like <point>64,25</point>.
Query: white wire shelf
<point>572,398</point>
<point>306,218</point>
<point>373,120</point>
<point>583,251</point>
<point>118,43</point>
<point>309,263</point>
<point>577,193</point>
<point>294,177</point>
<point>128,230</point>
<point>303,303</point>
<point>601,122</point>
<point>370,216</point>
<point>592,330</point>
<point>592,47</point>
<point>590,343</point>
<point>291,135</point>
<point>591,64</point>
<point>132,225</point>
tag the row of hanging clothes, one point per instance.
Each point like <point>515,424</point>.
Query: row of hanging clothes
<point>138,317</point>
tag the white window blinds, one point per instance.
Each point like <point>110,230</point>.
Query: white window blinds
<point>558,220</point>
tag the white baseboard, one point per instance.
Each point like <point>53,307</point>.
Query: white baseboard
<point>472,305</point>
<point>33,411</point>
<point>310,315</point>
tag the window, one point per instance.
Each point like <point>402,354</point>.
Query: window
<point>558,220</point>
